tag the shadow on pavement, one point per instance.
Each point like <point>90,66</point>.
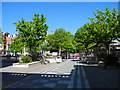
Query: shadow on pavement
<point>97,77</point>
<point>7,62</point>
<point>31,80</point>
<point>37,80</point>
<point>100,77</point>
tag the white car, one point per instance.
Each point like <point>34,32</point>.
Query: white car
<point>58,59</point>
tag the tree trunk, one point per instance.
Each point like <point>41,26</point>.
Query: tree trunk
<point>59,51</point>
<point>86,48</point>
<point>31,53</point>
<point>107,48</point>
<point>67,54</point>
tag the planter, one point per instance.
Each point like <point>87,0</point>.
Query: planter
<point>25,64</point>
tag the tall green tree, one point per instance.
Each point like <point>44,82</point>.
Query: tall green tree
<point>57,39</point>
<point>83,37</point>
<point>105,27</point>
<point>60,41</point>
<point>17,45</point>
<point>50,43</point>
<point>4,41</point>
<point>33,33</point>
<point>68,44</point>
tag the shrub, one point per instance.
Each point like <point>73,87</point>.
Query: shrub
<point>25,59</point>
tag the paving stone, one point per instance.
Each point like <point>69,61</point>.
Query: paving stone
<point>55,79</point>
<point>49,85</point>
<point>43,81</point>
<point>61,86</point>
<point>63,82</point>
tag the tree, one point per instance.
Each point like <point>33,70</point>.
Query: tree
<point>33,33</point>
<point>4,43</point>
<point>17,45</point>
<point>83,37</point>
<point>60,41</point>
<point>68,44</point>
<point>57,39</point>
<point>105,27</point>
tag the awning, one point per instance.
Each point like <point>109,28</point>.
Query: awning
<point>77,54</point>
<point>83,53</point>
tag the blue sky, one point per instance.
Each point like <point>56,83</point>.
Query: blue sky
<point>67,15</point>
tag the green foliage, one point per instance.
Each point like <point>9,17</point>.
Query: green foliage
<point>83,37</point>
<point>17,45</point>
<point>25,59</point>
<point>68,44</point>
<point>60,40</point>
<point>4,40</point>
<point>102,29</point>
<point>33,33</point>
<point>105,27</point>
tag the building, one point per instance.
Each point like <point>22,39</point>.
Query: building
<point>8,39</point>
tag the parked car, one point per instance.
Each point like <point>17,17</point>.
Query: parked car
<point>58,59</point>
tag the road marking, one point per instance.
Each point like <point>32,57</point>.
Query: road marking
<point>70,85</point>
<point>85,80</point>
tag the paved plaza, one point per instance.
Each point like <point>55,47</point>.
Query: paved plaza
<point>68,74</point>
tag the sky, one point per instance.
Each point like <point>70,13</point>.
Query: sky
<point>67,15</point>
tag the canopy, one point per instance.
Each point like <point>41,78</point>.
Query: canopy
<point>77,54</point>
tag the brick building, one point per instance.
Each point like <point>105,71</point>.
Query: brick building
<point>8,39</point>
